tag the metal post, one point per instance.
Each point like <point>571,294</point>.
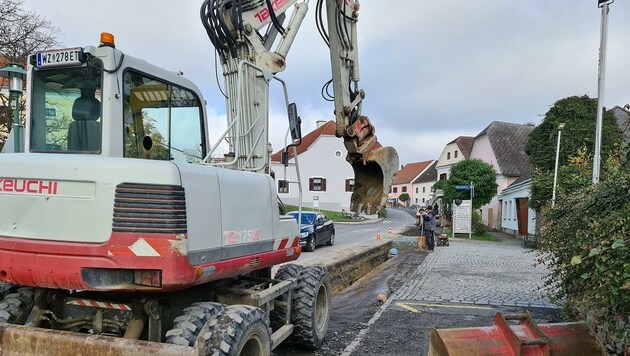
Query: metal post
<point>555,171</point>
<point>17,125</point>
<point>472,194</point>
<point>600,88</point>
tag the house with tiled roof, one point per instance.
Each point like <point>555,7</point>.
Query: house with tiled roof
<point>327,178</point>
<point>502,144</point>
<point>454,151</point>
<point>403,181</point>
<point>422,186</point>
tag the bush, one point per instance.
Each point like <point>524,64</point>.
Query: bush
<point>585,242</point>
<point>478,226</point>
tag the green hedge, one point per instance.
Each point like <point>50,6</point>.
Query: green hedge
<point>585,242</point>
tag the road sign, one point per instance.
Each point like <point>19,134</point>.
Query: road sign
<point>462,213</point>
<point>462,187</point>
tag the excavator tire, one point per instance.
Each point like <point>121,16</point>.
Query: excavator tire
<point>238,330</point>
<point>15,307</point>
<point>187,326</point>
<point>5,289</point>
<point>311,307</point>
<point>277,315</point>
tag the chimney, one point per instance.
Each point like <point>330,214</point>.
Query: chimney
<point>321,123</point>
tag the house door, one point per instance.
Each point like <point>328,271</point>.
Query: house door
<point>522,215</point>
<point>490,218</point>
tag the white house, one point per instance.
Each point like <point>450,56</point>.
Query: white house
<point>422,186</point>
<point>327,178</point>
<point>403,182</point>
<point>502,144</point>
<point>454,151</point>
<point>517,217</point>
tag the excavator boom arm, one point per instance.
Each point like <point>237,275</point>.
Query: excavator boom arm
<point>247,30</point>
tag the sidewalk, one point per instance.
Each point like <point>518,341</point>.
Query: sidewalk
<point>481,273</point>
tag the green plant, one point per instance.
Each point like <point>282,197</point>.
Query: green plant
<point>478,226</point>
<point>403,197</point>
<point>480,173</point>
<point>577,140</point>
<point>585,242</point>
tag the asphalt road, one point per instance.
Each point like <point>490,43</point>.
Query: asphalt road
<point>348,235</point>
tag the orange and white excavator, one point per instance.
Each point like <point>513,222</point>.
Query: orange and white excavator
<point>121,233</point>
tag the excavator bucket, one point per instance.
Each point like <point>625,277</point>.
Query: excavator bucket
<point>26,341</point>
<point>374,166</point>
<point>522,339</point>
<point>372,180</point>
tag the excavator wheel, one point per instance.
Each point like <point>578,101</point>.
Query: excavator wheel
<point>187,326</point>
<point>311,307</point>
<point>15,307</point>
<point>238,330</point>
<point>5,289</point>
<point>279,312</point>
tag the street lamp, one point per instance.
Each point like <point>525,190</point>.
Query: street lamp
<point>16,74</point>
<point>603,4</point>
<point>555,171</point>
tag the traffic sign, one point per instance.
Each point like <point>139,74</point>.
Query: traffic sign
<point>462,187</point>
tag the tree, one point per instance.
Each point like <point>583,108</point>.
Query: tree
<point>21,32</point>
<point>480,173</point>
<point>577,142</point>
<point>403,197</point>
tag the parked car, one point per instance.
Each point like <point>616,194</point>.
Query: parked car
<point>315,229</point>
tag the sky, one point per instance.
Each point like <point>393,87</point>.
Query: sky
<point>432,70</point>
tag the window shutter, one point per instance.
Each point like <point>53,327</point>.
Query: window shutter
<point>311,184</point>
<point>323,184</point>
<point>347,185</point>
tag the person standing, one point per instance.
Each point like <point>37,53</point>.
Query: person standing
<point>429,227</point>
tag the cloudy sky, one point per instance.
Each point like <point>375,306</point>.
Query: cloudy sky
<point>432,70</point>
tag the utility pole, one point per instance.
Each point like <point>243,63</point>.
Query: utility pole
<point>603,4</point>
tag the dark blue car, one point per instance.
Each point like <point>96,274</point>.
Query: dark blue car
<point>315,229</point>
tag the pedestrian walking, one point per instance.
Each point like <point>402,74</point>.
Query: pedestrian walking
<point>428,219</point>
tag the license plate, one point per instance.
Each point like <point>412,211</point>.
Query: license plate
<point>59,57</point>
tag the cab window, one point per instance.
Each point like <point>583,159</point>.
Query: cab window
<point>161,121</point>
<point>66,109</point>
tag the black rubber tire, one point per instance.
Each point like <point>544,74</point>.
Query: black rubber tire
<point>15,307</point>
<point>311,307</point>
<point>277,315</point>
<point>332,239</point>
<point>187,326</point>
<point>311,243</point>
<point>238,330</point>
<point>6,289</point>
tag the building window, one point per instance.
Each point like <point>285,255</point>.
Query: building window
<point>395,189</point>
<point>317,184</point>
<point>424,189</point>
<point>283,186</point>
<point>416,200</point>
<point>455,153</point>
<point>349,184</point>
<point>443,176</point>
<point>505,210</point>
<point>404,189</point>
<point>422,200</point>
<point>448,155</point>
<point>416,191</point>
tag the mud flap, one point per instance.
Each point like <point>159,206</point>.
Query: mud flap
<point>24,340</point>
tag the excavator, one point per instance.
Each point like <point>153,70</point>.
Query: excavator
<point>123,230</point>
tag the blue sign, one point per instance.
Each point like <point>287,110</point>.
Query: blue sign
<point>462,187</point>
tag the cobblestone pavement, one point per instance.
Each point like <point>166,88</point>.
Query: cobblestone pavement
<point>479,272</point>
